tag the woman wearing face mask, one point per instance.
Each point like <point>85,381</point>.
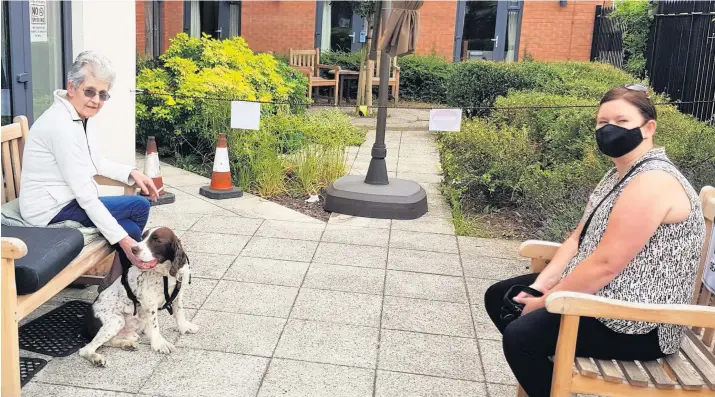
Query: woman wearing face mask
<point>639,241</point>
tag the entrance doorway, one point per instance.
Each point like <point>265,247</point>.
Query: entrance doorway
<point>487,30</point>
<point>338,27</point>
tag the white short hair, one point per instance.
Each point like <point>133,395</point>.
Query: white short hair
<point>91,62</point>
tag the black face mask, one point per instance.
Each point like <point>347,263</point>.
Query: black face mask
<point>615,141</point>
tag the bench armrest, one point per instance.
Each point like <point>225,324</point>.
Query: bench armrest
<point>13,248</point>
<point>104,181</point>
<point>536,249</point>
<point>580,304</point>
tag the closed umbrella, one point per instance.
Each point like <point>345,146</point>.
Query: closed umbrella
<point>401,29</point>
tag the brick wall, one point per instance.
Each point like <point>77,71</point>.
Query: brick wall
<point>550,32</point>
<point>141,27</point>
<point>172,21</point>
<point>278,26</point>
<point>437,19</point>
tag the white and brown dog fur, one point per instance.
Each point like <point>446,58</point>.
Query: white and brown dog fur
<point>111,318</point>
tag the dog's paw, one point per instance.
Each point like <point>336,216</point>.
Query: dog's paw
<point>96,359</point>
<point>188,327</point>
<point>130,345</point>
<point>162,346</point>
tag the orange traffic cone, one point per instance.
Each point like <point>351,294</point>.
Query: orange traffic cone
<point>221,186</point>
<point>152,169</point>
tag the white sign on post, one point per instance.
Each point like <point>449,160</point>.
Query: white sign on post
<point>38,21</point>
<point>709,271</point>
<point>246,115</point>
<point>445,120</point>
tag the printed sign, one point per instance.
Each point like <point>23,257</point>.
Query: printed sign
<point>445,120</point>
<point>245,115</point>
<point>38,21</point>
<point>709,272</point>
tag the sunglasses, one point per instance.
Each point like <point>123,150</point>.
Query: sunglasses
<point>90,93</point>
<point>638,88</point>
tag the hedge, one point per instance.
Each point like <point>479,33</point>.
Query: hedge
<point>544,163</point>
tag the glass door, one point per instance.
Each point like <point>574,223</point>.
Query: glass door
<point>487,30</point>
<point>46,45</point>
<point>339,27</point>
<point>36,53</point>
<point>16,81</point>
<point>6,97</point>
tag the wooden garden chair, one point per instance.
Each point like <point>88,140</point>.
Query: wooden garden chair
<point>691,373</point>
<point>394,80</point>
<point>89,265</point>
<point>308,62</point>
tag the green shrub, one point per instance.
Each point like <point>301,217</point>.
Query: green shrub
<point>635,19</point>
<point>477,84</point>
<point>544,162</point>
<point>346,60</point>
<point>587,79</point>
<point>424,78</point>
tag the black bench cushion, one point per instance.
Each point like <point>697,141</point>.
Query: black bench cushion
<point>49,251</point>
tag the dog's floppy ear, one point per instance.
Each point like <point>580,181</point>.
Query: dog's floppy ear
<point>180,258</point>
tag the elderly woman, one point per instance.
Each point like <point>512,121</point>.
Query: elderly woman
<point>61,158</point>
<point>638,241</point>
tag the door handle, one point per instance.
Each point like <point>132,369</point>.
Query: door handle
<point>23,78</point>
<point>352,36</point>
<point>496,42</point>
<point>219,31</point>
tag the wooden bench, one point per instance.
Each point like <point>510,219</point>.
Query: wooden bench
<point>308,62</point>
<point>690,373</point>
<point>89,265</point>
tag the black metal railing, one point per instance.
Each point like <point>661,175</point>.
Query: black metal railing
<point>681,55</point>
<point>607,44</point>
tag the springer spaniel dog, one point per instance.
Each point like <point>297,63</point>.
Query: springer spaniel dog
<point>131,304</point>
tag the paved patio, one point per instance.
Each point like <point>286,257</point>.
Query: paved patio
<point>291,306</point>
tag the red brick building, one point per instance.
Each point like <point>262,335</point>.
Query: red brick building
<point>500,30</point>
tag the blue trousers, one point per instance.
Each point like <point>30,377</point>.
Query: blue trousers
<point>132,213</point>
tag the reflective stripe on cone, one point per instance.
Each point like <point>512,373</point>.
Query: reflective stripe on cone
<point>221,175</point>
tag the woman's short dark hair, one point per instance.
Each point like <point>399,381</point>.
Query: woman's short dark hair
<point>639,99</point>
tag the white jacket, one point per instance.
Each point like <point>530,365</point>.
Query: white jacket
<point>59,163</point>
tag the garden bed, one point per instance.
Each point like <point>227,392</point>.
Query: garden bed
<point>293,154</point>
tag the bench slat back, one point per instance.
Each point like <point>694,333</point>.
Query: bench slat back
<point>13,144</point>
<point>305,59</point>
<point>393,65</point>
<point>702,295</point>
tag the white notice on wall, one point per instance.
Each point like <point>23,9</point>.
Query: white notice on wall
<point>245,115</point>
<point>709,271</point>
<point>445,120</point>
<point>38,21</point>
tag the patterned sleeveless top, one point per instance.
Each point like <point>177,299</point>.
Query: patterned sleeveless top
<point>664,272</point>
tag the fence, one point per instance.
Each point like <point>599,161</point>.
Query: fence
<point>607,44</point>
<point>681,54</point>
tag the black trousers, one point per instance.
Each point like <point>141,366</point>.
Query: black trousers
<point>530,340</point>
